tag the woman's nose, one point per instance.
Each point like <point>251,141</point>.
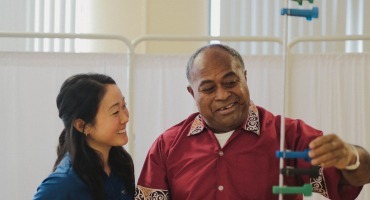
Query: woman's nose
<point>124,117</point>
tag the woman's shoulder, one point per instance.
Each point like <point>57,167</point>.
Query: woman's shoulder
<point>63,183</point>
<point>62,186</point>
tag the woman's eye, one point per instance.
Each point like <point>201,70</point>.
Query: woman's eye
<point>115,113</point>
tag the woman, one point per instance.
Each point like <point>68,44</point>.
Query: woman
<point>91,162</point>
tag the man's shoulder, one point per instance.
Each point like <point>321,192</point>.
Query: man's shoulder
<point>268,119</point>
<point>181,128</point>
<point>266,116</point>
<point>263,112</point>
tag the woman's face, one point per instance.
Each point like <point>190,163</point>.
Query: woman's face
<point>110,121</point>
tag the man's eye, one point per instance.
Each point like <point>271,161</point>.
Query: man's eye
<point>115,113</point>
<point>207,90</point>
<point>230,84</point>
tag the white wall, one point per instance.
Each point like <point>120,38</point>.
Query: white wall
<point>135,18</point>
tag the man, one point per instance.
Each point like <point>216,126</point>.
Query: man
<point>227,150</point>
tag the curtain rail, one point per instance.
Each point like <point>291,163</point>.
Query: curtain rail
<point>126,41</point>
<point>131,44</point>
<point>334,38</point>
<point>185,38</point>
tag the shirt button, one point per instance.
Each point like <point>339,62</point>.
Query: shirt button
<point>220,187</point>
<point>221,153</point>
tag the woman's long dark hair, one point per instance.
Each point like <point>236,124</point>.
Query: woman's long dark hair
<point>79,98</point>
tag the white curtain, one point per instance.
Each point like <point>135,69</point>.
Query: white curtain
<point>330,92</point>
<point>29,84</point>
<point>160,99</point>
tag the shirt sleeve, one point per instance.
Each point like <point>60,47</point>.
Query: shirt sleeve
<point>152,183</point>
<point>330,184</point>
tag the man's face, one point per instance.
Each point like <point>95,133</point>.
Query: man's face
<point>219,86</point>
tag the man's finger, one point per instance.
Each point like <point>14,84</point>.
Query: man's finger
<point>322,140</point>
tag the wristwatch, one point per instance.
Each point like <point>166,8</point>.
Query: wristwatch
<point>357,164</point>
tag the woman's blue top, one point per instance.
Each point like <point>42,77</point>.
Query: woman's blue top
<point>64,183</point>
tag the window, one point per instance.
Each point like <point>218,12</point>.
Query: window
<point>262,18</point>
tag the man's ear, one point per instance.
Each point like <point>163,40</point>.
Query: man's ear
<point>190,90</point>
<point>79,124</point>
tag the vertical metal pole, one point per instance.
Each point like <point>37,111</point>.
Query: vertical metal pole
<point>130,77</point>
<point>282,126</point>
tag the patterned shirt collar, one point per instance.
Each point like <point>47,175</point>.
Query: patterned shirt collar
<point>250,124</point>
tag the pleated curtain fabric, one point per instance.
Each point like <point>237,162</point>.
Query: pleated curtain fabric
<point>329,91</point>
